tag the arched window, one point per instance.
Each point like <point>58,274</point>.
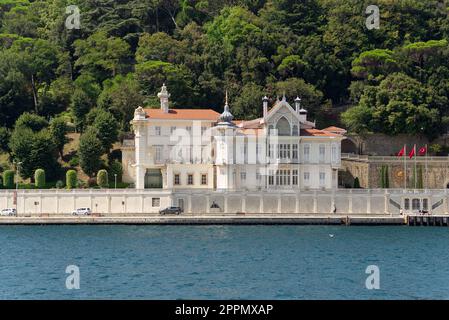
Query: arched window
<point>295,130</point>
<point>283,127</point>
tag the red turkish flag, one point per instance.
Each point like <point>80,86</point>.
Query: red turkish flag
<point>402,152</point>
<point>423,151</point>
<point>413,152</point>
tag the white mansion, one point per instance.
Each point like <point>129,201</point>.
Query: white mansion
<point>199,148</point>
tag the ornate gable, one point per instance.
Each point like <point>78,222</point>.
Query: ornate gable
<point>284,118</point>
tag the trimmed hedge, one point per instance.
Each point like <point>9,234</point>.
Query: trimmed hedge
<point>102,179</point>
<point>39,178</point>
<point>71,179</point>
<point>8,179</point>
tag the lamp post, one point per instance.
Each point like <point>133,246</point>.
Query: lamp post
<point>115,180</point>
<point>17,164</point>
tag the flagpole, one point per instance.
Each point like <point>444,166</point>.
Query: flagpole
<point>405,167</point>
<point>427,182</point>
<point>416,172</point>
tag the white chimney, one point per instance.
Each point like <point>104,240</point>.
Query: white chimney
<point>302,115</point>
<point>297,104</point>
<point>265,101</point>
<point>163,96</point>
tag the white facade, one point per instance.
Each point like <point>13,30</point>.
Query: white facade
<point>200,149</point>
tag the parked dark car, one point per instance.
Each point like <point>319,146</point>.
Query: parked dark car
<point>171,210</point>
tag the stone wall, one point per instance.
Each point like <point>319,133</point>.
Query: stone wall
<point>368,170</point>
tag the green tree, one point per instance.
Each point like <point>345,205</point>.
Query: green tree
<point>34,150</point>
<point>419,53</point>
<point>39,178</point>
<point>14,91</point>
<point>106,128</point>
<point>37,60</point>
<point>101,55</point>
<point>159,47</point>
<point>311,98</point>
<point>32,121</point>
<point>5,135</point>
<point>121,96</point>
<point>90,151</point>
<point>151,75</point>
<point>59,130</point>
<point>374,65</point>
<point>400,104</point>
<point>21,19</point>
<point>291,66</point>
<point>245,105</point>
<point>84,99</point>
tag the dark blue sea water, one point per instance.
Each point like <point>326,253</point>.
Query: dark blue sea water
<point>223,262</point>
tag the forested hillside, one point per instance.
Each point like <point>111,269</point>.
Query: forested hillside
<point>395,79</point>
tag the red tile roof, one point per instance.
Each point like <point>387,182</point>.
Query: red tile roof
<point>183,114</point>
<point>249,124</point>
<point>335,130</point>
<point>318,133</point>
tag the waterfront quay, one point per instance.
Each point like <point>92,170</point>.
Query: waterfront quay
<point>241,219</point>
<point>130,206</point>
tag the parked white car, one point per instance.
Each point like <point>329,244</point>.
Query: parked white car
<point>82,212</point>
<point>8,212</point>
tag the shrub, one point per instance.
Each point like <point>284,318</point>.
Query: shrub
<point>82,184</point>
<point>39,178</point>
<point>102,179</point>
<point>71,179</point>
<point>59,184</point>
<point>1,182</point>
<point>436,149</point>
<point>8,179</point>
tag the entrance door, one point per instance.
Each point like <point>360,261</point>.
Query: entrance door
<point>153,179</point>
<point>181,204</point>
